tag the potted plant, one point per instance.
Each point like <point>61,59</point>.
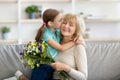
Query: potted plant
<point>32,10</point>
<point>5,30</point>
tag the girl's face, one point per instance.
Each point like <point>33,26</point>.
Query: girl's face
<point>57,21</point>
<point>68,29</point>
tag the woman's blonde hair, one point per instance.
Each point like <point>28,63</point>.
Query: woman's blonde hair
<point>80,25</point>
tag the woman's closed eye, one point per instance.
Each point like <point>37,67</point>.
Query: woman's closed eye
<point>64,23</point>
<point>71,24</point>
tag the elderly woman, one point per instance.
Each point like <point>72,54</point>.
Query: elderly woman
<point>73,60</point>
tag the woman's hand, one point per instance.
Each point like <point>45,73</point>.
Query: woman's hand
<point>79,40</point>
<point>60,66</point>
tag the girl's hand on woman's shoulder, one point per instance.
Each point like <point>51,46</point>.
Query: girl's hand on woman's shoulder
<point>59,66</point>
<point>79,40</point>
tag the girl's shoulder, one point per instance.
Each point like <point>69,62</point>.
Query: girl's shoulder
<point>47,32</point>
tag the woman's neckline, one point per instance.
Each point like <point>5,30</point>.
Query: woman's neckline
<point>63,42</point>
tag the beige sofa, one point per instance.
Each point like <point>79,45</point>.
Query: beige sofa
<point>103,60</point>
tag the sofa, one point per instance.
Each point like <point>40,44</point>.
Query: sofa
<point>103,60</point>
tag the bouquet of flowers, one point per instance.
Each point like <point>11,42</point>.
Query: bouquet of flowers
<point>36,54</point>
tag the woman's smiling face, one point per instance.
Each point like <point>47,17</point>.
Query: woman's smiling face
<point>68,28</point>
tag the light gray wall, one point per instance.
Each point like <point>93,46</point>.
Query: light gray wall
<point>98,30</point>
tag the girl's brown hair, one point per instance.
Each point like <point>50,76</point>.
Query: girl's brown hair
<point>48,15</point>
<point>80,26</point>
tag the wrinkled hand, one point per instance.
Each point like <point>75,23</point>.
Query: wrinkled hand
<point>59,66</point>
<point>79,40</point>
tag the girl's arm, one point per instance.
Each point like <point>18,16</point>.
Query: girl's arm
<point>49,39</point>
<point>60,47</point>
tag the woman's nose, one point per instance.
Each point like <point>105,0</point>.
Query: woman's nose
<point>66,25</point>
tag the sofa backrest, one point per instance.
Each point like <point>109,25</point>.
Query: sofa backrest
<point>103,60</point>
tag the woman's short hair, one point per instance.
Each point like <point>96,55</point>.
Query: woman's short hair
<point>79,22</point>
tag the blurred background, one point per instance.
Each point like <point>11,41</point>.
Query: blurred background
<point>102,18</point>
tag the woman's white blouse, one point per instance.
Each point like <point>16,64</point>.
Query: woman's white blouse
<point>76,58</point>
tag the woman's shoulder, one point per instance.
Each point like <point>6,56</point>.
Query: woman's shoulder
<point>79,50</point>
<point>79,46</point>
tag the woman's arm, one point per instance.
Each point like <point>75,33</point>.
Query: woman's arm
<point>81,64</point>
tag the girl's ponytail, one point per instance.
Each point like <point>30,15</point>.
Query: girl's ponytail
<point>40,32</point>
